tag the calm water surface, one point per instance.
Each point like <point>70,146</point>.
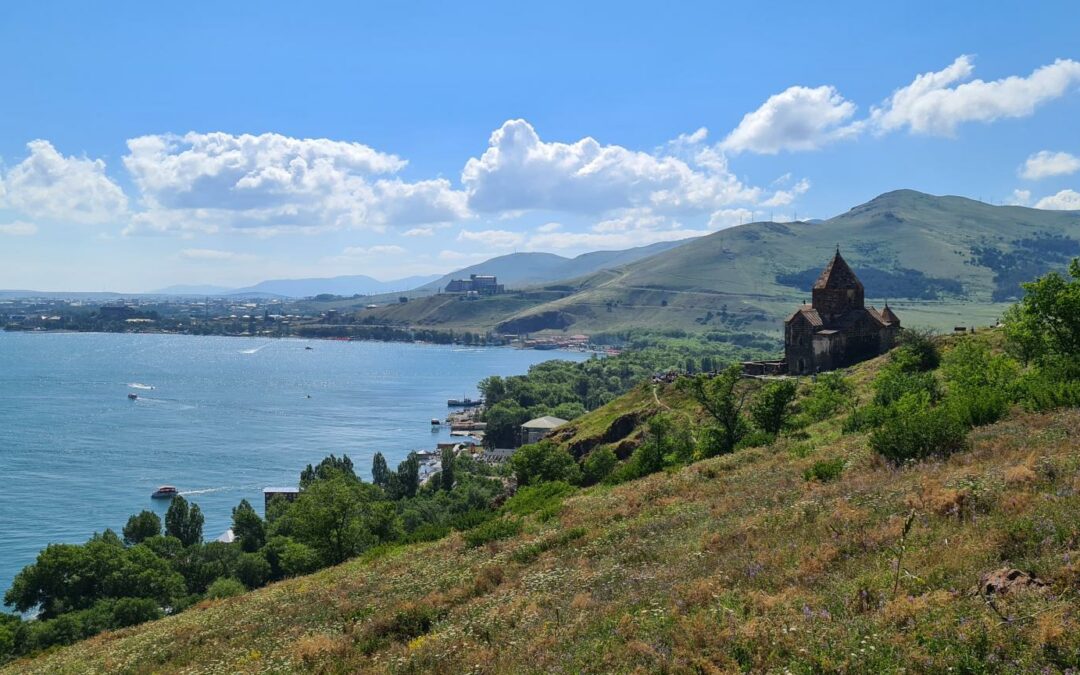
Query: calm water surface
<point>225,417</point>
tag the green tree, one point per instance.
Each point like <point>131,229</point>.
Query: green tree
<point>252,569</point>
<point>406,480</point>
<point>597,465</point>
<point>331,516</point>
<point>721,399</point>
<point>544,462</point>
<point>140,526</point>
<point>771,407</point>
<point>447,473</point>
<point>1045,324</point>
<point>328,466</point>
<point>248,527</point>
<point>380,472</point>
<point>184,521</point>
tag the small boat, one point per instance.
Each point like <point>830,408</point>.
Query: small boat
<point>165,492</point>
<point>435,422</point>
<point>308,348</point>
<point>133,397</point>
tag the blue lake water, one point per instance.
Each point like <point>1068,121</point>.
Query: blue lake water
<point>225,418</point>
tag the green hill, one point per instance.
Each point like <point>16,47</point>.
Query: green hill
<point>940,261</point>
<point>753,561</point>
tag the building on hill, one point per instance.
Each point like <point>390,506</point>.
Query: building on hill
<point>536,430</point>
<point>836,329</point>
<point>481,284</point>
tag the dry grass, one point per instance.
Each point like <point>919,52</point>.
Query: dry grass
<point>735,563</point>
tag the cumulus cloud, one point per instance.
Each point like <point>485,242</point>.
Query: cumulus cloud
<point>492,238</point>
<point>52,187</point>
<point>785,197</point>
<point>1066,200</point>
<point>938,102</point>
<point>212,181</point>
<point>1044,164</point>
<point>18,228</point>
<point>519,171</point>
<point>549,227</point>
<point>1020,198</point>
<point>213,255</point>
<point>798,118</point>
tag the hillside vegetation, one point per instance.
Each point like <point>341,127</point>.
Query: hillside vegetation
<point>939,261</point>
<point>916,512</point>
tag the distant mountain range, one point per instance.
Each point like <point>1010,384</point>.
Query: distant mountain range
<point>944,260</point>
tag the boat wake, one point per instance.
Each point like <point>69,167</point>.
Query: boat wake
<point>139,385</point>
<point>255,350</point>
<point>204,491</point>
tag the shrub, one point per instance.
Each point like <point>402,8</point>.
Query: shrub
<point>536,498</point>
<point>825,470</point>
<point>918,350</point>
<point>772,406</point>
<point>493,530</point>
<point>1041,391</point>
<point>598,465</point>
<point>970,365</point>
<point>132,611</point>
<point>252,570</point>
<point>544,462</point>
<point>225,587</point>
<point>756,439</point>
<point>296,559</point>
<point>827,396</point>
<point>916,433</point>
<point>892,384</point>
<point>978,407</point>
<point>865,417</point>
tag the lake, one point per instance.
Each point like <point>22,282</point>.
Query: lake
<point>219,417</point>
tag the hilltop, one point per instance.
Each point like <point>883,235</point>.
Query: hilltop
<point>940,261</point>
<point>755,560</point>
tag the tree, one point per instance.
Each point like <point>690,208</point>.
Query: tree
<point>325,468</point>
<point>248,527</point>
<point>141,526</point>
<point>447,475</point>
<point>718,396</point>
<point>330,516</point>
<point>380,472</point>
<point>544,462</point>
<point>1045,324</point>
<point>406,481</point>
<point>184,522</point>
<point>252,570</point>
<point>772,405</point>
<point>597,465</point>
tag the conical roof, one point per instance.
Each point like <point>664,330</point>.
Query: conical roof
<point>888,315</point>
<point>837,274</point>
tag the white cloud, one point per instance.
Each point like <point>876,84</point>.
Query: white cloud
<point>426,231</point>
<point>49,186</point>
<point>1066,200</point>
<point>1045,163</point>
<point>211,254</point>
<point>726,218</point>
<point>549,227</point>
<point>492,238</point>
<point>785,197</point>
<point>934,103</point>
<point>1020,198</point>
<point>369,251</point>
<point>18,228</point>
<point>519,171</point>
<point>213,181</point>
<point>798,118</point>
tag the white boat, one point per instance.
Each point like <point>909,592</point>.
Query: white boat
<point>165,492</point>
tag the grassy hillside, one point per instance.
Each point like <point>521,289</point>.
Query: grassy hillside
<point>940,261</point>
<point>740,562</point>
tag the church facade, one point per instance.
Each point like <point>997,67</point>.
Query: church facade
<point>836,329</point>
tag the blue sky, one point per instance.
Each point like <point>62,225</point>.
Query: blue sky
<point>225,143</point>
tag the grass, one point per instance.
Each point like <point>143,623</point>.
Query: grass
<point>733,563</point>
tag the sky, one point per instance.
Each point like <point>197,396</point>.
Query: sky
<point>149,144</point>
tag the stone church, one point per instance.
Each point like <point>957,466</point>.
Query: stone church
<point>836,329</point>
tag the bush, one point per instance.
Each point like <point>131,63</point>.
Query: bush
<point>978,407</point>
<point>825,470</point>
<point>493,530</point>
<point>756,439</point>
<point>252,570</point>
<point>918,350</point>
<point>132,611</point>
<point>536,498</point>
<point>544,462</point>
<point>865,417</point>
<point>915,434</point>
<point>598,465</point>
<point>225,587</point>
<point>892,384</point>
<point>772,406</point>
<point>1040,391</point>
<point>827,396</point>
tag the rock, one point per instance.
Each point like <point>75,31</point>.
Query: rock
<point>1007,580</point>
